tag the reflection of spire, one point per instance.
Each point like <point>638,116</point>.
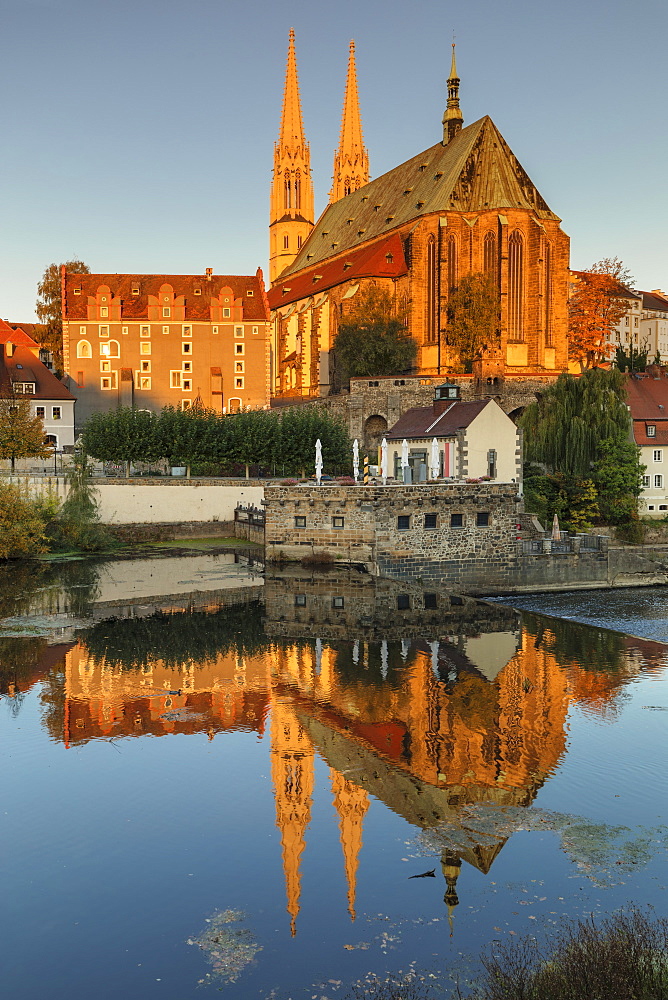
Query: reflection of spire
<point>292,778</point>
<point>351,803</point>
<point>451,866</point>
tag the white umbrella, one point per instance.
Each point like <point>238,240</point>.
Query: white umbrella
<point>434,459</point>
<point>404,457</point>
<point>318,461</point>
<point>356,459</point>
<point>383,458</point>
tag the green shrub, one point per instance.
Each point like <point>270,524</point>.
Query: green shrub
<point>22,522</point>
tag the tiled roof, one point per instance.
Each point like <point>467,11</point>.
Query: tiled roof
<point>23,366</point>
<point>15,336</point>
<point>197,306</point>
<point>654,302</point>
<point>476,171</point>
<point>641,437</point>
<point>647,397</point>
<point>420,421</point>
<point>29,328</point>
<point>383,259</point>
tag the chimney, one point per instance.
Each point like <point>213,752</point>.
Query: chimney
<point>209,273</point>
<point>444,396</point>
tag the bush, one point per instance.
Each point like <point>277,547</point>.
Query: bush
<point>625,957</point>
<point>22,522</point>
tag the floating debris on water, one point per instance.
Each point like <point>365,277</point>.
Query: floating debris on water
<point>229,949</point>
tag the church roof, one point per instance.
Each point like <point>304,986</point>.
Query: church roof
<point>476,171</point>
<point>383,259</point>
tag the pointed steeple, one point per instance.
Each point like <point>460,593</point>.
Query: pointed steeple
<point>291,204</point>
<point>452,119</point>
<point>351,159</point>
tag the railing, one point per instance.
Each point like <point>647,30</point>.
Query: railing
<point>249,515</point>
<point>565,543</point>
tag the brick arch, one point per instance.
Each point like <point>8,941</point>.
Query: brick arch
<point>375,428</point>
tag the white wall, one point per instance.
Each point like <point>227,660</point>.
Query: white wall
<point>185,501</point>
<point>492,428</point>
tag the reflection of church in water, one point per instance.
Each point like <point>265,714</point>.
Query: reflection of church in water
<point>427,726</point>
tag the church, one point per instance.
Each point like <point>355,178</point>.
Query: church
<point>464,206</point>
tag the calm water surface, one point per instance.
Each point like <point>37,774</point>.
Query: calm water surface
<point>233,794</point>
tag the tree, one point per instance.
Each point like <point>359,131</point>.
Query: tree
<point>373,339</point>
<point>473,317</point>
<point>122,435</point>
<point>634,360</point>
<point>21,435</point>
<point>183,436</point>
<point>21,523</point>
<point>597,303</point>
<point>49,307</point>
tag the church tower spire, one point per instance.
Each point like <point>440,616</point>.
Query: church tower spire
<point>291,204</point>
<point>351,159</point>
<point>452,119</point>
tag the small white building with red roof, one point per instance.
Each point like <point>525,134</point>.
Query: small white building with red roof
<point>22,374</point>
<point>647,398</point>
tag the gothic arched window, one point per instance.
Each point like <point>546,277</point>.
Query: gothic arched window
<point>288,192</point>
<point>298,191</point>
<point>547,293</point>
<point>432,292</point>
<point>489,256</point>
<point>452,263</point>
<point>515,286</point>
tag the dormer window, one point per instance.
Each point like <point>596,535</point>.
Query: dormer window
<point>651,430</point>
<point>135,289</point>
<point>317,277</point>
<point>77,291</point>
<point>389,258</point>
<point>198,291</point>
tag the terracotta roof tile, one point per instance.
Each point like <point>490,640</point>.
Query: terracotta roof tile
<point>23,366</point>
<point>15,336</point>
<point>197,305</point>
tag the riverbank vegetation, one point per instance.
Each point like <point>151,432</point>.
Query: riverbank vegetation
<point>582,463</point>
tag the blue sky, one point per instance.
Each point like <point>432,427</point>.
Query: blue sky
<point>138,136</point>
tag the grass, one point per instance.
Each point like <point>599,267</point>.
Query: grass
<point>624,957</point>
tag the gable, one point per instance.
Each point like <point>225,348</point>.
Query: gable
<point>474,172</point>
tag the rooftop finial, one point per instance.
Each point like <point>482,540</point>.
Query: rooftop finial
<point>452,119</point>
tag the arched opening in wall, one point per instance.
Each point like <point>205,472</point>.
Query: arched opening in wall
<point>547,293</point>
<point>287,196</point>
<point>375,429</point>
<point>489,257</point>
<point>298,191</point>
<point>234,406</point>
<point>452,263</point>
<point>84,349</point>
<point>516,413</point>
<point>432,287</point>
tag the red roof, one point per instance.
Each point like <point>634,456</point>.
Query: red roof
<point>23,366</point>
<point>384,259</point>
<point>654,301</point>
<point>422,422</point>
<point>197,305</point>
<point>647,397</point>
<point>15,336</point>
<point>30,328</point>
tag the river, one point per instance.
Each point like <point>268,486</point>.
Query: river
<point>215,780</point>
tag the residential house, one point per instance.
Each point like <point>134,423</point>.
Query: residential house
<point>647,397</point>
<point>23,375</point>
<point>476,439</point>
<point>654,323</point>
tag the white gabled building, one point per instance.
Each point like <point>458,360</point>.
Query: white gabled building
<point>23,374</point>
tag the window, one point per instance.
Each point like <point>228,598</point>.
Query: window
<point>299,246</point>
<point>198,291</point>
<point>238,383</point>
<point>403,522</point>
<point>186,348</point>
<point>482,519</point>
<point>226,313</point>
<point>108,381</point>
<point>516,287</point>
<point>338,602</point>
<point>238,331</point>
<point>431,520</point>
<point>144,382</point>
<point>187,384</point>
<point>238,348</point>
<point>403,602</point>
<point>239,367</point>
<point>663,506</point>
<point>113,349</point>
<point>165,329</point>
<point>651,430</point>
<point>650,506</point>
<point>187,366</point>
<point>256,330</point>
<point>491,463</point>
<point>300,600</point>
<point>646,481</point>
<point>82,331</point>
<point>124,330</point>
<point>187,331</point>
<point>135,289</point>
<point>337,522</point>
<point>186,404</point>
<point>146,366</point>
<point>300,521</point>
<point>286,242</point>
<point>432,291</point>
<point>456,520</point>
<point>104,312</point>
<point>40,411</point>
<point>175,380</point>
<point>234,405</point>
<point>658,455</point>
<point>430,602</point>
<point>105,366</point>
<point>77,291</point>
<point>104,331</point>
<point>144,348</point>
<point>166,312</point>
<point>658,482</point>
<point>144,331</point>
<point>214,329</point>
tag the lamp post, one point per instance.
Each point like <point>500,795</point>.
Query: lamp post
<point>55,458</point>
